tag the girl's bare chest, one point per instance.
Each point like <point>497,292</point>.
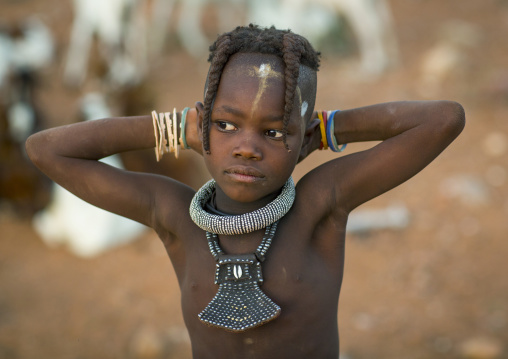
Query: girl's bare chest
<point>292,273</point>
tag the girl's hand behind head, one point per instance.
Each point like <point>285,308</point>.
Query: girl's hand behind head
<point>191,129</point>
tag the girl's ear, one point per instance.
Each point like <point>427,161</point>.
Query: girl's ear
<point>309,137</point>
<point>200,109</point>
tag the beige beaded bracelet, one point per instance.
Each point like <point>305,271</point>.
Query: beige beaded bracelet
<point>155,131</point>
<point>175,134</point>
<point>165,128</point>
<point>162,139</point>
<point>169,124</point>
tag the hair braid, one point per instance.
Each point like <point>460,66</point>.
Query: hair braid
<point>218,63</point>
<point>293,49</point>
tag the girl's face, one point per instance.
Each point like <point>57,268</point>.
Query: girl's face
<point>248,158</point>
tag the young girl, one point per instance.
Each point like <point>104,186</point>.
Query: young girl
<point>259,260</point>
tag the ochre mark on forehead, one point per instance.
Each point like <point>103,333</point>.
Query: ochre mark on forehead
<point>265,72</point>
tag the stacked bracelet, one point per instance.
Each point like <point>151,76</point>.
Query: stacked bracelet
<point>169,135</point>
<point>327,128</point>
<point>165,127</point>
<point>155,131</point>
<point>330,134</point>
<point>175,135</point>
<point>162,137</point>
<point>322,128</point>
<point>183,140</point>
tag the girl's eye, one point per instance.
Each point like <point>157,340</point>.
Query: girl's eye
<point>275,133</point>
<point>226,126</point>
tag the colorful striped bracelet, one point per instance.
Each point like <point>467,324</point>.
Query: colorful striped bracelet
<point>330,134</point>
<point>183,140</point>
<point>322,128</point>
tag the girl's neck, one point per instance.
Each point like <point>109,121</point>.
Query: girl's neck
<point>226,205</point>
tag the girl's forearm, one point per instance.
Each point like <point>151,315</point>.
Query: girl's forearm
<point>383,121</point>
<point>101,138</point>
<point>93,139</point>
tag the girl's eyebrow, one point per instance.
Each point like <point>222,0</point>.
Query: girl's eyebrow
<point>231,110</point>
<point>239,113</point>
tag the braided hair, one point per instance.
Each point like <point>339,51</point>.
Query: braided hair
<point>293,49</point>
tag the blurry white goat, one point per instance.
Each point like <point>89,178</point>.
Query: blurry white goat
<point>86,230</point>
<point>131,30</point>
<point>189,22</point>
<point>370,20</point>
<point>25,49</point>
<point>120,29</point>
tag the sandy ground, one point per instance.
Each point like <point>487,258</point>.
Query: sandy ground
<point>437,288</point>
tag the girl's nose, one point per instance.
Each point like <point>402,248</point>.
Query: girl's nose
<point>248,148</point>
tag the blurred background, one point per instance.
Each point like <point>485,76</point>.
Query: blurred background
<point>426,269</point>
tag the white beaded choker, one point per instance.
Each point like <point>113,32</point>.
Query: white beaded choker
<point>244,223</point>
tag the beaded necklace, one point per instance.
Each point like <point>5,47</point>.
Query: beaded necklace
<point>240,304</point>
<point>244,223</point>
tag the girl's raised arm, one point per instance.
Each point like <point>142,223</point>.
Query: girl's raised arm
<point>69,155</point>
<point>412,134</point>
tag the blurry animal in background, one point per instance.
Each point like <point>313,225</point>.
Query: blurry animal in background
<point>129,32</point>
<point>26,48</point>
<point>120,29</point>
<point>67,219</point>
<point>370,20</point>
<point>23,188</point>
<point>230,13</point>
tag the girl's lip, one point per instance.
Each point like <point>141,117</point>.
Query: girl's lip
<point>244,174</point>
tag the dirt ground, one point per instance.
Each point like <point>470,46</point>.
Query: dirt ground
<point>437,288</point>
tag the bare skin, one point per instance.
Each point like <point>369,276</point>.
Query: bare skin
<point>304,267</point>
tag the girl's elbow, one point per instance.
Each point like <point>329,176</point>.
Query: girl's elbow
<point>454,118</point>
<point>33,148</point>
<point>30,148</point>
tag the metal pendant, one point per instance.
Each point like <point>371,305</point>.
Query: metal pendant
<point>240,304</point>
